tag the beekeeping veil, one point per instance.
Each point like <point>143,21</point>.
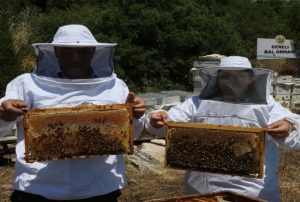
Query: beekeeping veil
<point>257,91</point>
<point>74,36</point>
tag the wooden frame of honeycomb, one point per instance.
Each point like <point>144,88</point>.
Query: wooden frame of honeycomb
<point>219,149</point>
<point>78,132</point>
<point>211,197</point>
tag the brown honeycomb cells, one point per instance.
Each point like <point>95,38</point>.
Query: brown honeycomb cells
<point>215,149</point>
<point>79,132</point>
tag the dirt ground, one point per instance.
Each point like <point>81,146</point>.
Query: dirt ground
<point>146,185</point>
<point>142,185</point>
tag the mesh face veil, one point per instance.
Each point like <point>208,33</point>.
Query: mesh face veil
<point>74,36</point>
<point>235,82</point>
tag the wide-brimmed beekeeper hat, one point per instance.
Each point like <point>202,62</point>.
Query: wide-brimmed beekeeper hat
<point>235,62</point>
<point>261,80</point>
<point>74,36</point>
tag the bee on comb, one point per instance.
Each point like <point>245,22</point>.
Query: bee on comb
<point>78,132</point>
<point>221,149</point>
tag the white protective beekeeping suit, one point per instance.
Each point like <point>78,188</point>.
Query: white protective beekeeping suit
<point>75,178</point>
<point>255,111</point>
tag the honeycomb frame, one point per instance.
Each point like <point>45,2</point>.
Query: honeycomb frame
<point>77,132</point>
<point>218,149</point>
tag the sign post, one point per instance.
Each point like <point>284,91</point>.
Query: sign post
<point>278,48</point>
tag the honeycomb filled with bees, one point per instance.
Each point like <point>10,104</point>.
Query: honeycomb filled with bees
<point>220,149</point>
<point>78,132</point>
<point>222,196</point>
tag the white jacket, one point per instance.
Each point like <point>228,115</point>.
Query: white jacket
<point>251,115</point>
<point>74,178</point>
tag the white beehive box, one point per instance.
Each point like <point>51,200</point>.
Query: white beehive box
<point>283,88</point>
<point>296,89</point>
<point>285,79</point>
<point>10,137</point>
<point>284,100</point>
<point>296,80</point>
<point>283,97</point>
<point>161,99</point>
<point>150,101</point>
<point>295,98</point>
<point>295,105</point>
<point>184,95</point>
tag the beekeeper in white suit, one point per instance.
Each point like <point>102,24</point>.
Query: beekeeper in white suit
<point>236,94</point>
<point>72,70</point>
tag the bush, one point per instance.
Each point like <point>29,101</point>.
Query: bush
<point>157,41</point>
<point>10,60</point>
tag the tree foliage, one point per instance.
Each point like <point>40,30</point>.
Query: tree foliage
<point>159,40</point>
<point>10,60</point>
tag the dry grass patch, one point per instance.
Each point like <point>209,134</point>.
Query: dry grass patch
<point>6,180</point>
<point>146,185</point>
<point>289,175</point>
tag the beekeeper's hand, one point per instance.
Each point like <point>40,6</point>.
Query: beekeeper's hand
<point>10,110</point>
<point>158,119</point>
<point>139,108</point>
<point>279,129</point>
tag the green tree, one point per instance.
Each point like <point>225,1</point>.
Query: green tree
<point>157,40</point>
<point>254,20</point>
<point>10,61</point>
